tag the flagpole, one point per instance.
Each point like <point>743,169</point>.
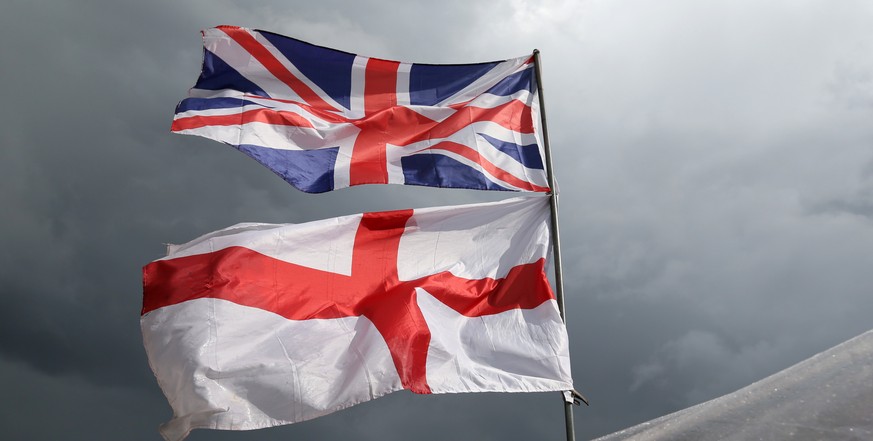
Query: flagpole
<point>556,239</point>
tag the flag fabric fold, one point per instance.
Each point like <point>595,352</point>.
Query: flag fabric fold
<point>324,119</point>
<point>259,325</point>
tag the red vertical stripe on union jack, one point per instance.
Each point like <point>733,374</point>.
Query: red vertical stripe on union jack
<point>369,163</point>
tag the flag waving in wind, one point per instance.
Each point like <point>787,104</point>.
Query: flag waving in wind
<point>259,325</point>
<point>323,119</point>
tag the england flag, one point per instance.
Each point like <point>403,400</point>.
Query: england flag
<point>259,325</point>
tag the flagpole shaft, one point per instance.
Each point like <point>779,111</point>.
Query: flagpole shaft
<point>556,237</point>
<point>553,195</point>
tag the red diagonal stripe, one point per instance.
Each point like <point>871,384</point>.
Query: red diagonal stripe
<point>274,66</point>
<point>513,115</point>
<point>493,170</point>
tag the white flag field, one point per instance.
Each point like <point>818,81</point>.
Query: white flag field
<point>259,325</point>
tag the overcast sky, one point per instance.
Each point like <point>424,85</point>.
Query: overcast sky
<point>715,162</point>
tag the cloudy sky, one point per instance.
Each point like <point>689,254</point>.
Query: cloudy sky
<point>715,161</point>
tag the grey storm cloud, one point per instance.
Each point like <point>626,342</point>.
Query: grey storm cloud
<point>715,163</point>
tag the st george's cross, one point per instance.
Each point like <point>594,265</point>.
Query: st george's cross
<point>324,119</point>
<point>259,325</point>
<point>373,289</point>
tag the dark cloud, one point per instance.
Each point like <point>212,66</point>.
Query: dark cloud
<point>714,164</point>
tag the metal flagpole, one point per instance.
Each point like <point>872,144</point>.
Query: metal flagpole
<point>556,244</point>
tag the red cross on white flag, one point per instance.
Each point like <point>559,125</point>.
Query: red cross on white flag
<point>259,325</point>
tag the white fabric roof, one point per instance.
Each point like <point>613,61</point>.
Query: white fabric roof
<point>828,396</point>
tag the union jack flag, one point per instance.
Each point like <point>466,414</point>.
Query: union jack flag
<point>324,119</point>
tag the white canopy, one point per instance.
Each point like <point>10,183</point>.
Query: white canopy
<point>828,396</point>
